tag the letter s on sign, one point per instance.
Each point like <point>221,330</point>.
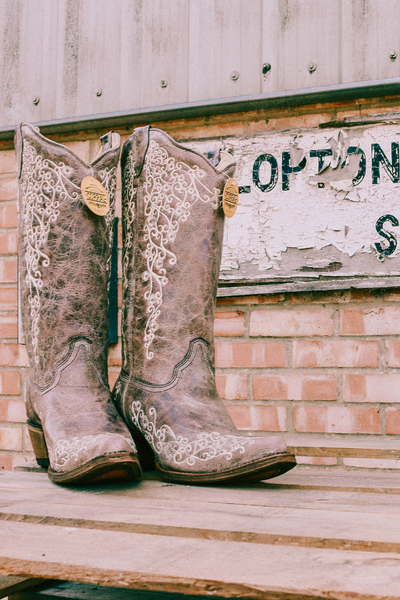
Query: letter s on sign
<point>386,234</point>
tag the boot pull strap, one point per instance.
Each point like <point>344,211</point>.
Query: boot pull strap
<point>137,143</point>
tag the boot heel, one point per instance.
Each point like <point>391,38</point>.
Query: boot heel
<point>145,453</point>
<point>39,445</point>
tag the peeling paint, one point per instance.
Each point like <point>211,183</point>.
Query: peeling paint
<point>339,184</point>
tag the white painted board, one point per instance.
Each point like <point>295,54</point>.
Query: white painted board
<point>305,215</point>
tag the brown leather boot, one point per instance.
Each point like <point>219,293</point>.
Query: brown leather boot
<point>173,228</point>
<point>64,260</point>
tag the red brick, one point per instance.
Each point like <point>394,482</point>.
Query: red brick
<point>258,418</point>
<point>373,387</point>
<point>323,297</point>
<point>245,300</point>
<point>232,386</point>
<point>392,295</point>
<point>13,355</point>
<point>6,462</point>
<point>393,353</point>
<point>316,460</point>
<point>294,386</point>
<point>336,419</point>
<point>10,383</point>
<point>8,215</point>
<point>12,411</point>
<point>8,298</point>
<point>119,295</point>
<point>250,354</point>
<point>8,243</point>
<point>370,321</point>
<point>8,162</point>
<point>393,420</point>
<point>114,355</point>
<point>229,323</point>
<point>362,295</point>
<point>8,271</point>
<point>337,353</point>
<point>112,378</point>
<point>81,149</point>
<point>291,323</point>
<point>11,438</point>
<point>8,188</point>
<point>8,326</point>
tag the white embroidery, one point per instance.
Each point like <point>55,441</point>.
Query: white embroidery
<point>128,216</point>
<point>171,188</point>
<point>65,451</point>
<point>43,190</point>
<point>108,179</point>
<point>181,450</point>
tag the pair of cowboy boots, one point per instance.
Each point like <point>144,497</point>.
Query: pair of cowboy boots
<point>165,411</point>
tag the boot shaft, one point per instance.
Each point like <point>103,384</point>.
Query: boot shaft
<point>173,229</point>
<point>64,251</point>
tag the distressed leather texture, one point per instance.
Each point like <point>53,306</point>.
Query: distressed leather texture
<point>64,263</point>
<point>172,234</point>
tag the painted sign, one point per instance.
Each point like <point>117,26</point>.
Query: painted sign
<point>313,204</point>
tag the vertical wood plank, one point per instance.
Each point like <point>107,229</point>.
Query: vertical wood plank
<point>131,57</point>
<point>165,52</point>
<point>270,49</point>
<point>288,32</point>
<point>201,51</point>
<point>388,39</point>
<point>236,47</point>
<point>11,80</point>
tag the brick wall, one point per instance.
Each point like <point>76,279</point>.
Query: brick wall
<point>323,368</point>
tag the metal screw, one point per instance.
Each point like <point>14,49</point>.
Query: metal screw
<point>235,75</point>
<point>312,67</point>
<point>393,55</point>
<point>163,83</point>
<point>36,100</point>
<point>99,92</point>
<point>266,68</point>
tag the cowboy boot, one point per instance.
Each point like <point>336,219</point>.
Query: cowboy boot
<point>64,261</point>
<point>172,235</point>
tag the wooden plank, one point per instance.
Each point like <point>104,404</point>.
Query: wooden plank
<point>228,569</point>
<point>322,528</point>
<point>388,483</point>
<point>11,584</point>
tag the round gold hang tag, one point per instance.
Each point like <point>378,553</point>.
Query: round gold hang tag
<point>95,196</point>
<point>230,198</point>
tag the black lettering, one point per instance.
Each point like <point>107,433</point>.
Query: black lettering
<point>386,234</point>
<point>378,156</point>
<point>320,154</point>
<point>363,164</point>
<point>287,169</point>
<point>265,187</point>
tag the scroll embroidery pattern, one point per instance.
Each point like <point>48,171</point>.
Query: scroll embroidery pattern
<point>66,451</point>
<point>43,190</point>
<point>171,188</point>
<point>180,450</point>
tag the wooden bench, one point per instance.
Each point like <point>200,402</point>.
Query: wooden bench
<point>306,535</point>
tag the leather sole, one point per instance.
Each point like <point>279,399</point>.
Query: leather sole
<point>266,468</point>
<point>117,466</point>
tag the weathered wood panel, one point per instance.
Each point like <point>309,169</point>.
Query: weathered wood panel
<point>64,52</point>
<point>228,542</point>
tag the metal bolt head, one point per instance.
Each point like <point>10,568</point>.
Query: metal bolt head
<point>393,55</point>
<point>36,100</point>
<point>99,92</point>
<point>266,68</point>
<point>312,67</point>
<point>235,75</point>
<point>163,83</point>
